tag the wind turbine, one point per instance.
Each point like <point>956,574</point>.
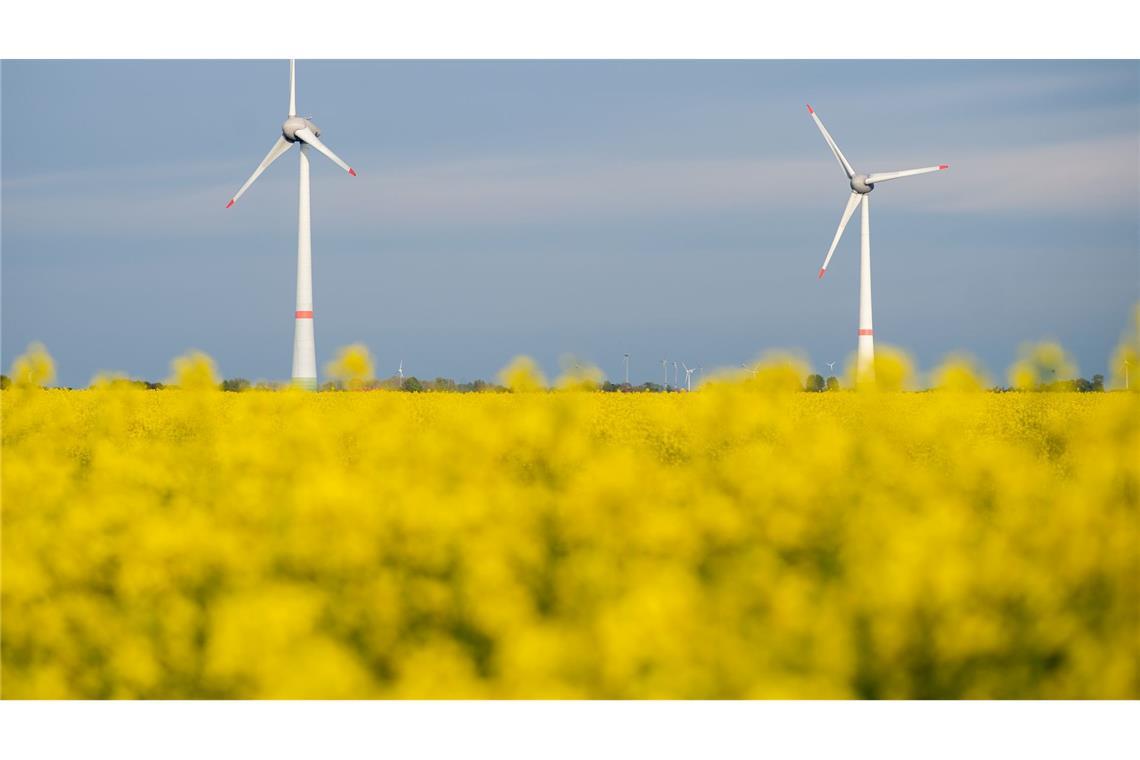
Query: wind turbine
<point>688,376</point>
<point>400,370</point>
<point>665,367</point>
<point>675,383</point>
<point>297,129</point>
<point>830,367</point>
<point>627,369</point>
<point>861,187</point>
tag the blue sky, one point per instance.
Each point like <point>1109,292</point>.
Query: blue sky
<point>668,209</point>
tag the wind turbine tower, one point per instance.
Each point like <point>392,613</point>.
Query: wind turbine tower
<point>306,134</point>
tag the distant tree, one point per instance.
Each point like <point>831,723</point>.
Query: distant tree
<point>154,386</point>
<point>1097,383</point>
<point>4,382</point>
<point>1081,385</point>
<point>236,384</point>
<point>412,385</point>
<point>443,384</point>
<point>814,384</point>
<point>832,383</point>
<point>608,387</point>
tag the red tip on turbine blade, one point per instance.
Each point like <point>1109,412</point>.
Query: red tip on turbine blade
<point>230,203</point>
<point>810,109</point>
<point>821,271</point>
<point>944,166</point>
<point>352,171</point>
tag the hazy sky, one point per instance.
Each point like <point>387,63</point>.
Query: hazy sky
<point>667,209</point>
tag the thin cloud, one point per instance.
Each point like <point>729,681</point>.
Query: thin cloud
<point>1098,176</point>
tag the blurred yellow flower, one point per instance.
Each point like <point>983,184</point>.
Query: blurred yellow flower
<point>522,375</point>
<point>961,374</point>
<point>34,368</point>
<point>352,367</point>
<point>894,371</point>
<point>1040,364</point>
<point>194,371</point>
<point>579,376</point>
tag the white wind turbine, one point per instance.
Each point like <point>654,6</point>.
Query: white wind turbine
<point>297,129</point>
<point>688,376</point>
<point>861,187</point>
<point>400,370</point>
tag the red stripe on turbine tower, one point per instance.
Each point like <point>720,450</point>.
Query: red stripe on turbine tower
<point>304,315</point>
<point>866,332</point>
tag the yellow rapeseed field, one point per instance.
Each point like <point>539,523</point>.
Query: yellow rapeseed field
<point>736,542</point>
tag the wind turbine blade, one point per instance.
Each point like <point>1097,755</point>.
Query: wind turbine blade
<point>832,144</point>
<point>292,87</point>
<point>274,153</point>
<point>307,135</point>
<point>852,202</point>
<point>884,176</point>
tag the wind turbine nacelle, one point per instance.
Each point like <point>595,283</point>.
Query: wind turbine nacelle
<point>293,124</point>
<point>858,183</point>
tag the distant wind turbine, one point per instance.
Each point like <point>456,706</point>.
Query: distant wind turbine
<point>627,369</point>
<point>665,367</point>
<point>300,130</point>
<point>688,376</point>
<point>831,367</point>
<point>861,187</point>
<point>400,370</point>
